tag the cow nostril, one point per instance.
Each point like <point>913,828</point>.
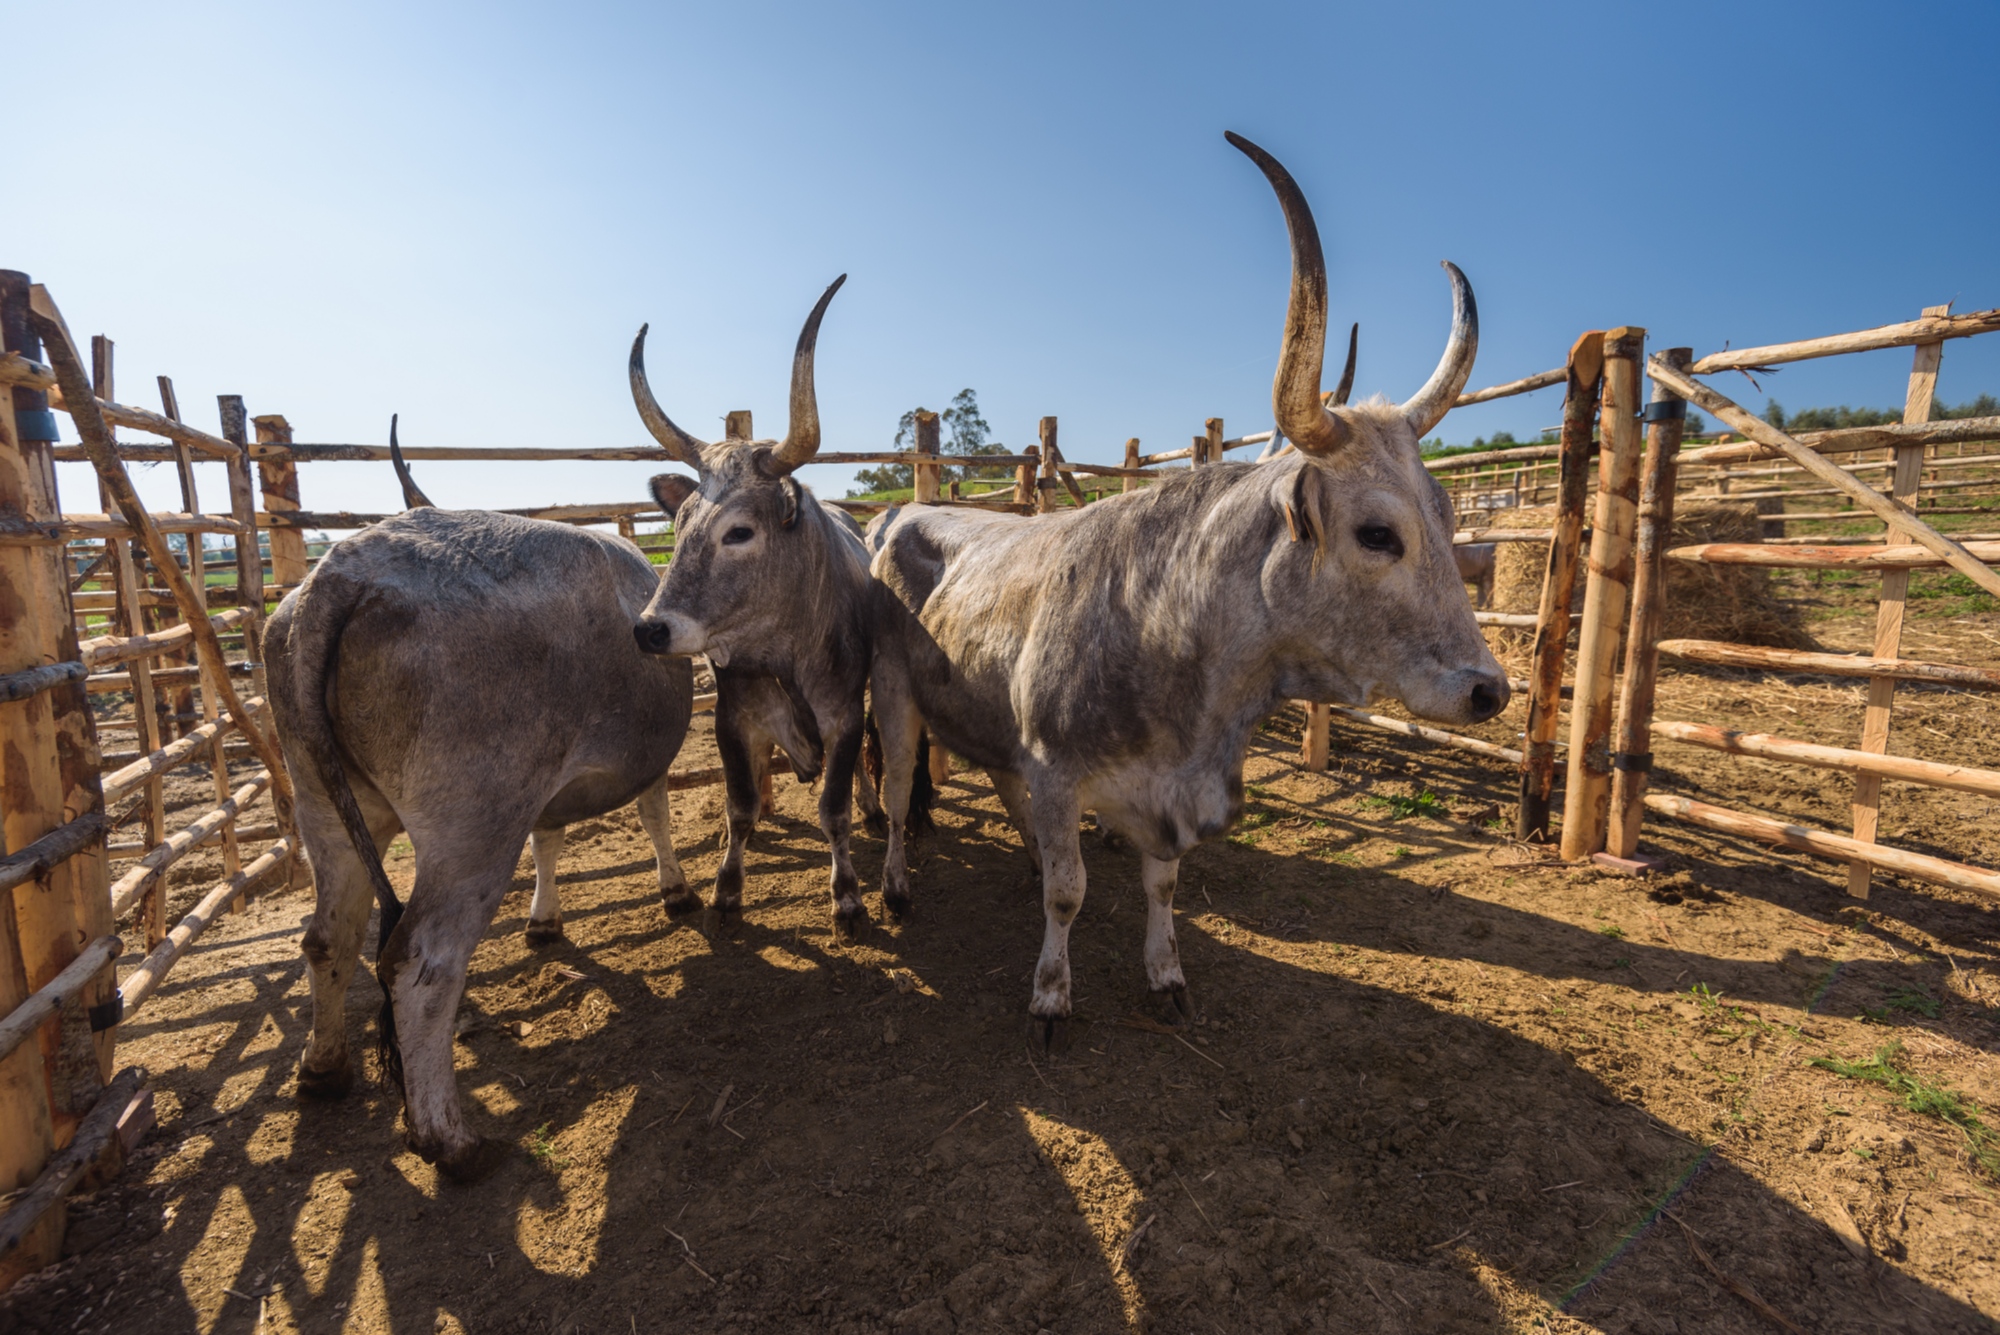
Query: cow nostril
<point>1486,702</point>
<point>653,637</point>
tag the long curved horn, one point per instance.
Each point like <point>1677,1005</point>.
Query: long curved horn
<point>802,432</point>
<point>1295,391</point>
<point>675,441</point>
<point>413,495</point>
<point>1427,407</point>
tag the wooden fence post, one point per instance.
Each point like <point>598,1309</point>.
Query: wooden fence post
<point>1024,478</point>
<point>1045,486</point>
<point>736,425</point>
<point>1131,461</point>
<point>1587,794</point>
<point>1213,440</point>
<point>1198,452</point>
<point>1632,759</point>
<point>1538,750</point>
<point>180,700</point>
<point>924,474</point>
<point>1867,804</point>
<point>249,551</point>
<point>279,474</point>
<point>1315,749</point>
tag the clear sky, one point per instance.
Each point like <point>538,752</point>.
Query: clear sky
<point>462,213</point>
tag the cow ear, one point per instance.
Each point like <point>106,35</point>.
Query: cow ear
<point>1305,514</point>
<point>790,518</point>
<point>670,489</point>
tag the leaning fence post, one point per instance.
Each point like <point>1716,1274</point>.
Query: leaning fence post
<point>1867,803</point>
<point>1538,758</point>
<point>1587,793</point>
<point>1131,461</point>
<point>1666,415</point>
<point>925,474</point>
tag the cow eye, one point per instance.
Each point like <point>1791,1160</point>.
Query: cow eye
<point>736,536</point>
<point>1379,538</point>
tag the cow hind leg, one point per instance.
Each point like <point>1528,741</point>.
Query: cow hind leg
<point>458,888</point>
<point>545,926</point>
<point>1013,791</point>
<point>656,814</point>
<point>896,721</point>
<point>1163,956</point>
<point>343,897</point>
<point>836,820</point>
<point>1055,824</point>
<point>741,773</point>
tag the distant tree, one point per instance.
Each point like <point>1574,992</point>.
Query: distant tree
<point>1774,413</point>
<point>1983,406</point>
<point>1696,425</point>
<point>965,434</point>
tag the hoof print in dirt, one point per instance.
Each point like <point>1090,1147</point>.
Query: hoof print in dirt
<point>477,1163</point>
<point>548,933</point>
<point>326,1085</point>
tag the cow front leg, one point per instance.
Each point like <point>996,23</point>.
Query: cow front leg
<point>1163,956</point>
<point>656,814</point>
<point>545,926</point>
<point>1055,825</point>
<point>897,725</point>
<point>743,801</point>
<point>836,820</point>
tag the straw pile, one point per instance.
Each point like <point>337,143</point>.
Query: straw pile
<point>1704,602</point>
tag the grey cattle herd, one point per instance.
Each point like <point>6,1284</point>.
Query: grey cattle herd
<point>479,680</point>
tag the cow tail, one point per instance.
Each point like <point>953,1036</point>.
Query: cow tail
<point>325,606</point>
<point>923,793</point>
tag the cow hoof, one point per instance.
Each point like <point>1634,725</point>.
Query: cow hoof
<point>1052,1032</point>
<point>682,903</point>
<point>896,906</point>
<point>545,933</point>
<point>1175,1006</point>
<point>332,1084</point>
<point>850,924</point>
<point>477,1162</point>
<point>876,824</point>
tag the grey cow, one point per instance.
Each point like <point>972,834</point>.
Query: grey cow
<point>1118,656</point>
<point>774,588</point>
<point>469,677</point>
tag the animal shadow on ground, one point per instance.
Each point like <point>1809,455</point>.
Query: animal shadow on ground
<point>1391,1115</point>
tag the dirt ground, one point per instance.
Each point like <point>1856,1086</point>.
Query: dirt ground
<point>1438,1083</point>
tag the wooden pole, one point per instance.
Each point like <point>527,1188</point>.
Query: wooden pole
<point>1131,461</point>
<point>1867,804</point>
<point>924,474</point>
<point>249,551</point>
<point>1932,328</point>
<point>1045,495</point>
<point>181,700</point>
<point>1315,749</point>
<point>1538,764</point>
<point>1214,440</point>
<point>1632,759</point>
<point>1963,778</point>
<point>1024,479</point>
<point>736,425</point>
<point>279,474</point>
<point>34,614</point>
<point>1587,795</point>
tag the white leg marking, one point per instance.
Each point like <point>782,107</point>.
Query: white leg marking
<point>546,909</point>
<point>1163,956</point>
<point>1056,815</point>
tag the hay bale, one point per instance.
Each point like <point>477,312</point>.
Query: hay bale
<point>1704,602</point>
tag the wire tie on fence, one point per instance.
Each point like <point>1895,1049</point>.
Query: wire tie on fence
<point>1665,410</point>
<point>107,1014</point>
<point>1633,762</point>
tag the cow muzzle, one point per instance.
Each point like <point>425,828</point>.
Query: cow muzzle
<point>654,637</point>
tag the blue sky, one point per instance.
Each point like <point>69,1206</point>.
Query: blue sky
<point>463,213</point>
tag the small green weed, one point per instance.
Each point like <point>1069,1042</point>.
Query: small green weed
<point>1919,1095</point>
<point>1914,1000</point>
<point>1425,803</point>
<point>1400,852</point>
<point>542,1145</point>
<point>1612,930</point>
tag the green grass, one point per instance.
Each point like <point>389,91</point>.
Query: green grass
<point>1918,1095</point>
<point>1909,1000</point>
<point>1425,803</point>
<point>542,1145</point>
<point>1612,930</point>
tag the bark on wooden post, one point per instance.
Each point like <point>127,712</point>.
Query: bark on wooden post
<point>279,474</point>
<point>1045,486</point>
<point>1024,477</point>
<point>1315,749</point>
<point>924,474</point>
<point>1867,805</point>
<point>1538,758</point>
<point>1198,452</point>
<point>1131,461</point>
<point>249,553</point>
<point>1587,794</point>
<point>1632,755</point>
<point>1213,440</point>
<point>50,779</point>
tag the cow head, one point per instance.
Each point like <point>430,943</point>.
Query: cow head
<point>744,529</point>
<point>1366,564</point>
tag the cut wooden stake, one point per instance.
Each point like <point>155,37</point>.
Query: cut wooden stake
<point>1131,483</point>
<point>925,473</point>
<point>1545,673</point>
<point>1867,804</point>
<point>1860,492</point>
